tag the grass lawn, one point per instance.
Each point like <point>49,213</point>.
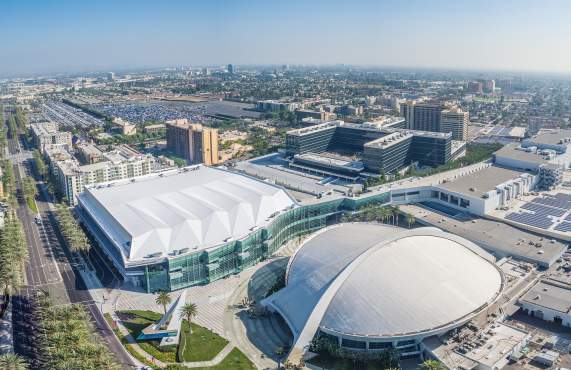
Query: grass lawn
<point>32,204</point>
<point>201,345</point>
<point>235,360</point>
<point>135,321</point>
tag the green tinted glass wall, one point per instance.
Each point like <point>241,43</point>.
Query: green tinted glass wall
<point>232,257</point>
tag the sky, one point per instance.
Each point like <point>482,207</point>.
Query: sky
<point>48,36</point>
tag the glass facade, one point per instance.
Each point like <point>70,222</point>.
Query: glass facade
<point>230,258</point>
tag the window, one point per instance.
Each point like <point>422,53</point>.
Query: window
<point>405,343</point>
<point>380,345</point>
<point>349,343</point>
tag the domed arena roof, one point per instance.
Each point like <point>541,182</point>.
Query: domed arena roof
<point>383,282</point>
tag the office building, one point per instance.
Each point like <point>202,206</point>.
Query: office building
<point>475,87</point>
<point>455,120</point>
<point>110,76</point>
<point>276,106</point>
<point>193,142</point>
<point>488,86</point>
<point>422,116</point>
<point>381,147</point>
<point>231,69</point>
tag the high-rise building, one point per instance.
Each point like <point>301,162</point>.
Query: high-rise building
<point>205,71</point>
<point>455,120</point>
<point>111,76</point>
<point>422,116</point>
<point>488,86</point>
<point>231,69</point>
<point>192,141</point>
<point>475,87</point>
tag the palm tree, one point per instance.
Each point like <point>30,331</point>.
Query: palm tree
<point>432,365</point>
<point>410,219</point>
<point>163,299</point>
<point>396,211</point>
<point>11,361</point>
<point>189,310</point>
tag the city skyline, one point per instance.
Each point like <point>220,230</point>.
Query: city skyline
<point>66,36</point>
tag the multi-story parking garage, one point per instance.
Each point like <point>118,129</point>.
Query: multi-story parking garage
<point>372,287</point>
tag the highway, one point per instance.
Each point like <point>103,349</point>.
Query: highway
<point>51,268</point>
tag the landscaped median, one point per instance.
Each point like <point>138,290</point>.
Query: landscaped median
<point>196,346</point>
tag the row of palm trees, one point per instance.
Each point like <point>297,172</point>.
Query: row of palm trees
<point>72,232</point>
<point>13,254</point>
<point>385,214</point>
<point>67,339</point>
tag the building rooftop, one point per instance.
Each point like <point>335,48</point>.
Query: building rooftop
<point>500,341</point>
<point>348,279</point>
<point>514,151</point>
<point>494,236</point>
<point>90,149</point>
<point>552,137</point>
<point>550,293</point>
<point>389,140</point>
<point>182,210</point>
<point>331,161</point>
<point>122,153</point>
<point>482,181</point>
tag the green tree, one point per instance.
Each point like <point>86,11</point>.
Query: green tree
<point>189,311</point>
<point>432,365</point>
<point>12,361</point>
<point>410,219</point>
<point>163,299</point>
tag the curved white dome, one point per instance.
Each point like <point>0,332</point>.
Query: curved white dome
<point>383,282</point>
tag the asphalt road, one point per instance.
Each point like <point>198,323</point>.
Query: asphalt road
<point>52,268</point>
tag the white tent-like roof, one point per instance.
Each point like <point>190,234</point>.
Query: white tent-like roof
<point>189,210</point>
<point>382,282</point>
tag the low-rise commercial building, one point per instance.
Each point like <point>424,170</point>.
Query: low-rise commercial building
<point>549,300</point>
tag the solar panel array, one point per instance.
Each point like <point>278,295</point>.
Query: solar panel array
<point>543,212</point>
<point>564,226</point>
<point>537,220</point>
<point>538,208</point>
<point>559,200</point>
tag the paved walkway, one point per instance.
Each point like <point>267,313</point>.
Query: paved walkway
<point>123,330</point>
<point>215,361</point>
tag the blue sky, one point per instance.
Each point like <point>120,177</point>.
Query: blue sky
<point>60,35</point>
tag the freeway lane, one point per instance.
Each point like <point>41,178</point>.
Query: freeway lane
<point>52,268</point>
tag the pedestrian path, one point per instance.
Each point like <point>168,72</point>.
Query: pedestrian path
<point>133,343</point>
<point>215,361</point>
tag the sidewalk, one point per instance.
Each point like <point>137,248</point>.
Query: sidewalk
<point>130,340</point>
<point>215,361</point>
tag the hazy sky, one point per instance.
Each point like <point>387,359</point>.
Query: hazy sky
<point>53,35</point>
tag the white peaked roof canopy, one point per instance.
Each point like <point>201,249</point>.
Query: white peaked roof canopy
<point>378,281</point>
<point>196,208</point>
